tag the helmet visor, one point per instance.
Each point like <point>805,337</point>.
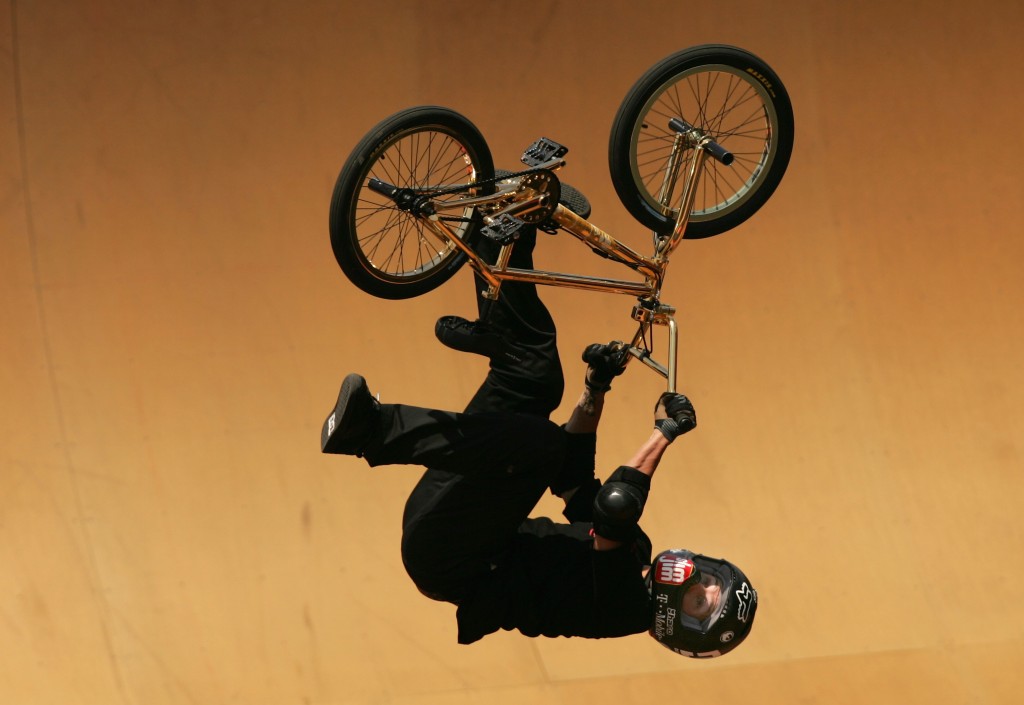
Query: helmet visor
<point>702,602</point>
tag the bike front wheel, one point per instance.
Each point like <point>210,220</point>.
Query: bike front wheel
<point>385,251</point>
<point>728,94</point>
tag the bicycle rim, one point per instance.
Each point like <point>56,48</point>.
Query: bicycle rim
<point>730,106</point>
<point>394,245</point>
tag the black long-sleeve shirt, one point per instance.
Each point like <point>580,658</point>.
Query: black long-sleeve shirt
<point>551,582</point>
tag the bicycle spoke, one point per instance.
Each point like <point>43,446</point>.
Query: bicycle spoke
<point>724,106</point>
<point>394,242</point>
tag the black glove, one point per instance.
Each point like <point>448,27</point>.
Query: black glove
<point>674,415</point>
<point>620,503</point>
<point>604,363</point>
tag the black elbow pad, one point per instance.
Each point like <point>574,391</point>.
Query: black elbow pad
<point>620,503</point>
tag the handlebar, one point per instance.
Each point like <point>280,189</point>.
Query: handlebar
<point>709,145</point>
<point>384,189</point>
<point>406,199</point>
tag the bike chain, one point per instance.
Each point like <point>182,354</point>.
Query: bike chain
<point>506,177</point>
<point>477,184</point>
<point>485,182</point>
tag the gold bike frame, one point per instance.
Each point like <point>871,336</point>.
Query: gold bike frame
<point>649,310</point>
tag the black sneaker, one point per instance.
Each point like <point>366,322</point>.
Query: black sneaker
<point>355,417</point>
<point>476,337</point>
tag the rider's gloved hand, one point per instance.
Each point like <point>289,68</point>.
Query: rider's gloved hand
<point>674,415</point>
<point>604,363</point>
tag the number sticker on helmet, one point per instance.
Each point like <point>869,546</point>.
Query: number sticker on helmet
<point>672,570</point>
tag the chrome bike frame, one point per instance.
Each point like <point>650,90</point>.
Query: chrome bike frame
<point>649,310</point>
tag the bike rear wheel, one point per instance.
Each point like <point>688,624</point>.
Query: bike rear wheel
<point>385,251</point>
<point>730,95</point>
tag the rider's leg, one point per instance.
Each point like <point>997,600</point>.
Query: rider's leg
<point>533,383</point>
<point>455,522</point>
<point>487,472</point>
<point>491,444</point>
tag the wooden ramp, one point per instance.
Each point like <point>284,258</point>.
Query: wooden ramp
<point>174,329</point>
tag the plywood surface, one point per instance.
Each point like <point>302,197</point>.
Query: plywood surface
<point>174,328</point>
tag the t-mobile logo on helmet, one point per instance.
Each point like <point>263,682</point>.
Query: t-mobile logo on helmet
<point>672,570</point>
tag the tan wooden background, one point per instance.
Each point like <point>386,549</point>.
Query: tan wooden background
<point>173,329</point>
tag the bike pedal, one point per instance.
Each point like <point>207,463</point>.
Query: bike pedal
<point>543,151</point>
<point>503,229</point>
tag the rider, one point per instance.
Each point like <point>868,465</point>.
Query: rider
<point>467,538</point>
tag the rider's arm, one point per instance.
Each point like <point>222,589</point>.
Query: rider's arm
<point>604,364</point>
<point>620,502</point>
<point>645,460</point>
<point>575,483</point>
<point>587,412</point>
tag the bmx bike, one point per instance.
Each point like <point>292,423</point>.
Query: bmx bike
<point>420,189</point>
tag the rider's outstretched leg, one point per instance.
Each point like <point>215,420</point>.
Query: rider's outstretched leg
<point>487,472</point>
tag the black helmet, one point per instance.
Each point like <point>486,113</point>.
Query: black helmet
<point>676,571</point>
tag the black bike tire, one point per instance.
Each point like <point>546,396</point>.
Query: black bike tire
<point>623,154</point>
<point>351,199</point>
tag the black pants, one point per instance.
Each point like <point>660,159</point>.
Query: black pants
<point>488,466</point>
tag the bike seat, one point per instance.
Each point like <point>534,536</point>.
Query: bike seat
<point>575,201</point>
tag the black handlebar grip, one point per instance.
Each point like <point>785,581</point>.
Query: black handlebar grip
<point>382,187</point>
<point>720,153</point>
<point>680,125</point>
<point>711,147</point>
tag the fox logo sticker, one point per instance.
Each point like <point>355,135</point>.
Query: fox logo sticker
<point>745,597</point>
